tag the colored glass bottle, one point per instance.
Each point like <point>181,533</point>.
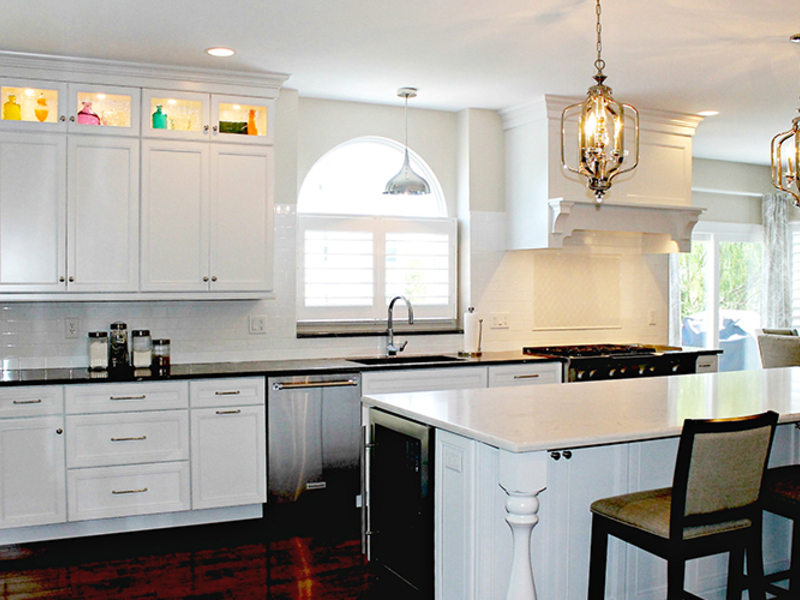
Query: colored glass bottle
<point>159,118</point>
<point>41,111</point>
<point>251,123</point>
<point>11,110</point>
<point>87,116</point>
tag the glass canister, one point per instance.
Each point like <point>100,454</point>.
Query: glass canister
<point>98,350</point>
<point>118,346</point>
<point>161,352</point>
<point>142,348</point>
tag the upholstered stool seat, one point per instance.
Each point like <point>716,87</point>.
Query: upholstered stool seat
<point>712,507</point>
<point>781,495</point>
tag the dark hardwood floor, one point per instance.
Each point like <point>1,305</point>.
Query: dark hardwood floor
<point>281,557</point>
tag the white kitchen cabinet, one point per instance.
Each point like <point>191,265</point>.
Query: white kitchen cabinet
<point>32,478</point>
<point>103,214</point>
<point>126,397</point>
<point>32,212</point>
<point>208,117</point>
<point>206,217</point>
<point>530,373</point>
<point>229,446</point>
<point>422,380</point>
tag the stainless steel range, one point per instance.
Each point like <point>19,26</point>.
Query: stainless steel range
<point>595,362</point>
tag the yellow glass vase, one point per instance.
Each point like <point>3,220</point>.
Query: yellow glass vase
<point>11,110</point>
<point>41,111</point>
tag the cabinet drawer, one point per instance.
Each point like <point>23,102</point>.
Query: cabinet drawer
<point>120,397</point>
<point>130,490</point>
<point>31,401</point>
<point>527,374</point>
<point>423,380</point>
<point>128,438</point>
<point>227,392</point>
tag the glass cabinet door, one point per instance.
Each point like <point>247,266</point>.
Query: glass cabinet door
<point>30,105</point>
<point>242,120</point>
<point>109,110</point>
<point>175,115</point>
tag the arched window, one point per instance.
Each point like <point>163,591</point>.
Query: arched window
<point>360,247</point>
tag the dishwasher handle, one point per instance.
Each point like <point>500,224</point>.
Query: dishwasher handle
<point>291,385</point>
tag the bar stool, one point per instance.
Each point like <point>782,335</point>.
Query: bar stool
<point>711,508</point>
<point>781,495</point>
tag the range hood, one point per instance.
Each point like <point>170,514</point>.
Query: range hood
<point>548,207</point>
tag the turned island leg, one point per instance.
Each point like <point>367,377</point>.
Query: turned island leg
<point>522,478</point>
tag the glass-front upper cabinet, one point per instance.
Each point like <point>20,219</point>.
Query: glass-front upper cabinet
<point>197,116</point>
<point>29,105</point>
<point>109,110</point>
<point>242,120</point>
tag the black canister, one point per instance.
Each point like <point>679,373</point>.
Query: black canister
<point>118,356</point>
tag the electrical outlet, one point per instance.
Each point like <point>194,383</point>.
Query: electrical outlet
<point>72,327</point>
<point>651,316</point>
<point>500,320</point>
<point>258,324</point>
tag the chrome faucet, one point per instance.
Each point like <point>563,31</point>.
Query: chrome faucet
<point>391,349</point>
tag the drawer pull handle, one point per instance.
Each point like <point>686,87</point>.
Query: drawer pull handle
<point>229,412</point>
<point>130,439</point>
<point>37,401</point>
<point>142,397</point>
<point>139,491</point>
<point>231,393</point>
<point>289,385</point>
<point>531,376</point>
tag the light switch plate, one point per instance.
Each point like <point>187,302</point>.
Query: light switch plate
<point>257,325</point>
<point>72,328</point>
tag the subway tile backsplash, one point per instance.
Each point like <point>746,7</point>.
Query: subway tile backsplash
<point>33,335</point>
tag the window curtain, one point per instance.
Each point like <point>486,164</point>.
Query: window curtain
<point>776,305</point>
<point>675,300</point>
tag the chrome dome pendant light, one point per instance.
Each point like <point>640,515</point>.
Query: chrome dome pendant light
<point>785,175</point>
<point>407,181</point>
<point>601,131</point>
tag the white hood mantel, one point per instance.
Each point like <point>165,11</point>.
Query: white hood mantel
<point>658,224</point>
<point>547,206</point>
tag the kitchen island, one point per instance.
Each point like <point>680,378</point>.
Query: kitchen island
<point>515,470</point>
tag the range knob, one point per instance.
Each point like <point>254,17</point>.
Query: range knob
<point>592,373</point>
<point>611,372</point>
<point>579,374</point>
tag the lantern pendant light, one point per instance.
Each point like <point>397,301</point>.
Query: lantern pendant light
<point>601,131</point>
<point>785,175</point>
<point>407,181</point>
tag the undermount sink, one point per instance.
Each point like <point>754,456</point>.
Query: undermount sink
<point>399,360</point>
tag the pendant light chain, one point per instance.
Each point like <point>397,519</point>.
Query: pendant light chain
<point>599,64</point>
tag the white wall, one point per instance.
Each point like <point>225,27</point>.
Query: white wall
<point>465,150</point>
<point>730,192</point>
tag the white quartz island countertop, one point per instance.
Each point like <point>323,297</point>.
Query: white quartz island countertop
<point>553,416</point>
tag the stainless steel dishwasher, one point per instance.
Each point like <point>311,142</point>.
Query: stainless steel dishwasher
<point>314,444</point>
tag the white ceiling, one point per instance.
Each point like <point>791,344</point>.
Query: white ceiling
<point>680,55</point>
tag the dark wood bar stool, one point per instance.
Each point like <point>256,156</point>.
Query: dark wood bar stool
<point>712,507</point>
<point>781,496</point>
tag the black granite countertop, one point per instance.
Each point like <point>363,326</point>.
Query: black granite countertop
<point>268,368</point>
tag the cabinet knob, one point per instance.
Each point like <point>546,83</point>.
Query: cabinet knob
<point>567,454</point>
<point>215,129</point>
<point>213,278</point>
<point>59,431</point>
<point>72,119</point>
<point>205,128</point>
<point>71,279</point>
<point>61,279</point>
<point>62,118</point>
<point>205,278</point>
<point>555,455</point>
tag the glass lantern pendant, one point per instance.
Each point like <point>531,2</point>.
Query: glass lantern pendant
<point>601,132</point>
<point>407,181</point>
<point>786,173</point>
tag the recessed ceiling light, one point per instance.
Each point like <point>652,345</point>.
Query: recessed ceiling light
<point>708,113</point>
<point>220,52</point>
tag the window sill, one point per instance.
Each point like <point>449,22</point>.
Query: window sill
<point>342,330</point>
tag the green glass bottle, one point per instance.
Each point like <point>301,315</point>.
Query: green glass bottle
<point>159,118</point>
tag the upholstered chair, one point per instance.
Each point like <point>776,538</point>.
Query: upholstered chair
<point>779,350</point>
<point>712,507</point>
